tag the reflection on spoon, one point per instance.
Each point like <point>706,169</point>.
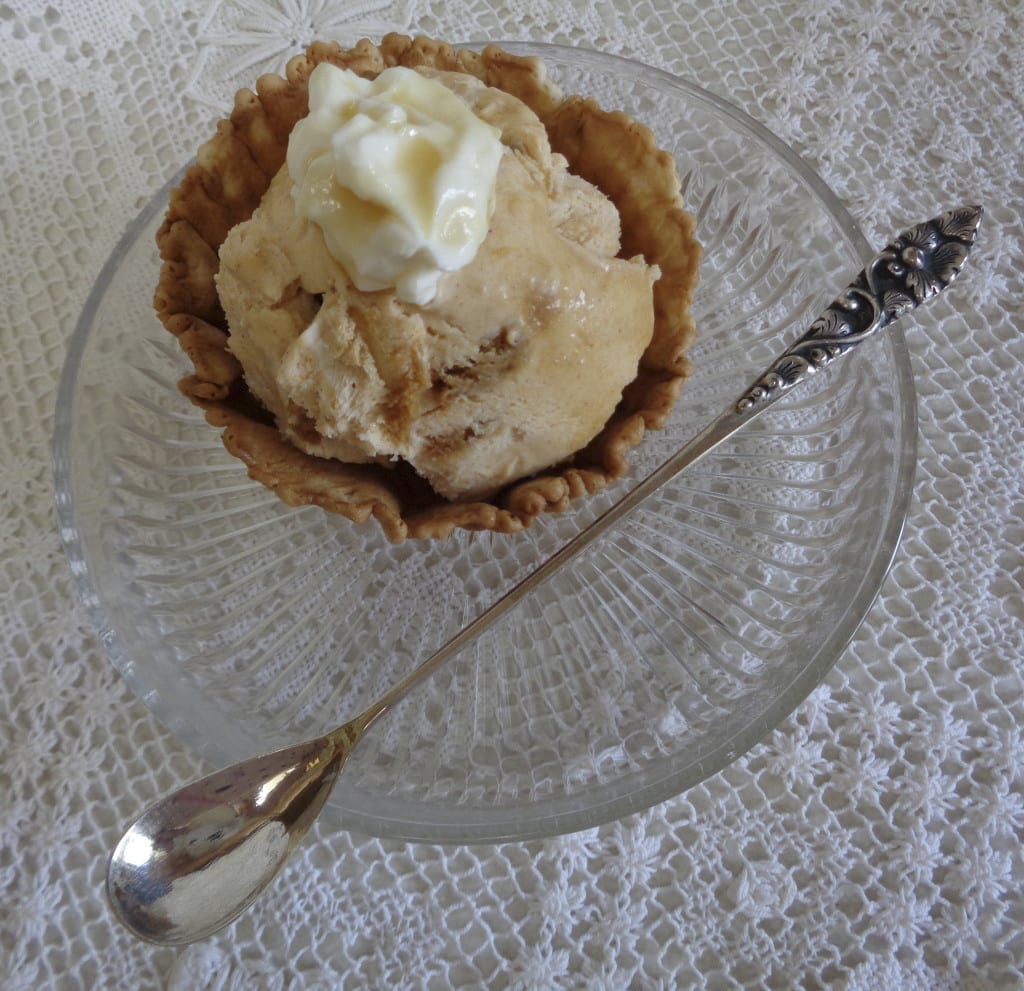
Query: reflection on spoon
<point>198,858</point>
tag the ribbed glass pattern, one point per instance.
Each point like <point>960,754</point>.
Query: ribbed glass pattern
<point>664,652</point>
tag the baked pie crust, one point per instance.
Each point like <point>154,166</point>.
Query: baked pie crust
<point>225,185</point>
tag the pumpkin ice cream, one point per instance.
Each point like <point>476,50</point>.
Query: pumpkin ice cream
<point>501,367</point>
<point>376,344</point>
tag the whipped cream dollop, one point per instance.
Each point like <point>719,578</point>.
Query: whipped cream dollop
<point>399,175</point>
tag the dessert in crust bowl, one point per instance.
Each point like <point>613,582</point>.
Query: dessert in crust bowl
<point>407,437</point>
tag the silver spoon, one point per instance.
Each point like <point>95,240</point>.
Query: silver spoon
<point>193,862</point>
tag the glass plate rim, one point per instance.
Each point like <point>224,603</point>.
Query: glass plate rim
<point>458,828</point>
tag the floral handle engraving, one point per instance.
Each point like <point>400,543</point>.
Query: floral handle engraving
<point>917,265</point>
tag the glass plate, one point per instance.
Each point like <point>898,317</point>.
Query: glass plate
<point>664,653</point>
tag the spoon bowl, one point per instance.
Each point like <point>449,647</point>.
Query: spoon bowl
<point>194,861</point>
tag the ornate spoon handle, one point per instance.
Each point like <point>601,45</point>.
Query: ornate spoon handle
<point>919,264</point>
<point>916,266</point>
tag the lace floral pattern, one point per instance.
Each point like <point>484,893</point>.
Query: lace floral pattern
<point>239,40</point>
<point>872,841</point>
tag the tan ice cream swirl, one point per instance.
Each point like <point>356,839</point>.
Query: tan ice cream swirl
<point>516,363</point>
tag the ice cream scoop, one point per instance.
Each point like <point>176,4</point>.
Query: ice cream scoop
<point>519,353</point>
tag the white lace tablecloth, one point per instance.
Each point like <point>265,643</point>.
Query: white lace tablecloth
<point>873,841</point>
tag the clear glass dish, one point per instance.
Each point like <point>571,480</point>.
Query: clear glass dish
<point>660,656</point>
